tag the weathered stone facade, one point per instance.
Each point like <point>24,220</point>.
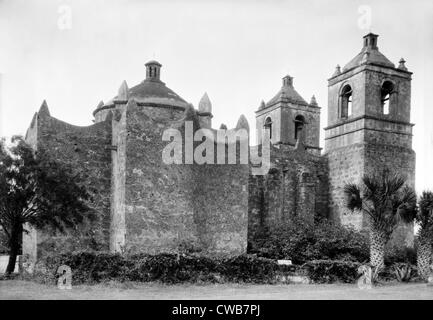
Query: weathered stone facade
<point>286,115</point>
<point>296,186</point>
<point>375,134</point>
<point>88,149</point>
<point>146,205</point>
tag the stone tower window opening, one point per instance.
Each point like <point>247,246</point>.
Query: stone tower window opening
<point>299,126</point>
<point>268,125</point>
<point>386,92</point>
<point>346,101</point>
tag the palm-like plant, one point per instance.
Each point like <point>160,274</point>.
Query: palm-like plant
<point>425,235</point>
<point>386,200</point>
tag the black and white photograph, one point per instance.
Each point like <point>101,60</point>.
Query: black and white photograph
<point>233,152</point>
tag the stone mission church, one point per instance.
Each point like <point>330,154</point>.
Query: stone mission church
<point>145,205</point>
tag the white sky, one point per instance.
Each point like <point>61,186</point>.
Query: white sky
<point>237,51</point>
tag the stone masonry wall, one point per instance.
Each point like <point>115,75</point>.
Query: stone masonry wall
<point>346,165</point>
<point>87,150</point>
<point>171,205</point>
<point>158,197</point>
<point>297,185</point>
<point>220,206</point>
<point>349,164</point>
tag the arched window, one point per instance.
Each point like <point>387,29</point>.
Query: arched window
<point>346,102</point>
<point>386,92</point>
<point>268,125</point>
<point>299,126</point>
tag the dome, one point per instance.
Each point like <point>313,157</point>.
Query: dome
<point>151,90</point>
<point>153,62</point>
<point>155,92</point>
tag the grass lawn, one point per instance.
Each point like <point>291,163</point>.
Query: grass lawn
<point>18,289</point>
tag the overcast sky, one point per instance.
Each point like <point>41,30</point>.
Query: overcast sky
<point>76,53</point>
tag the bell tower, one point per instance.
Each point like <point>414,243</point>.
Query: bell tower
<point>369,126</point>
<point>290,118</point>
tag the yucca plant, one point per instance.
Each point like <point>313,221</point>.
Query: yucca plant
<point>387,200</point>
<point>404,272</point>
<point>424,218</point>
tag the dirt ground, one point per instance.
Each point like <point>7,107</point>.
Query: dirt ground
<point>18,289</point>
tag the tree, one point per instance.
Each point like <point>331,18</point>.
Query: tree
<point>424,218</point>
<point>37,190</point>
<point>387,200</point>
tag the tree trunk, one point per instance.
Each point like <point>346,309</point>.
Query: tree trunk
<point>14,247</point>
<point>424,257</point>
<point>378,241</point>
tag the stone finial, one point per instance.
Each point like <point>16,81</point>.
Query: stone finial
<point>34,119</point>
<point>313,101</point>
<point>401,64</point>
<point>337,70</point>
<point>43,110</point>
<point>223,126</point>
<point>205,105</point>
<point>243,123</point>
<point>262,105</point>
<point>100,104</point>
<point>123,93</point>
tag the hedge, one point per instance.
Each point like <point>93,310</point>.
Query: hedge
<point>330,271</point>
<point>90,267</point>
<point>301,242</point>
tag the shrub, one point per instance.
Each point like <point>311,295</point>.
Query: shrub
<point>404,272</point>
<point>171,268</point>
<point>248,268</point>
<point>329,271</point>
<point>90,267</point>
<point>87,267</point>
<point>395,254</point>
<point>301,242</point>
